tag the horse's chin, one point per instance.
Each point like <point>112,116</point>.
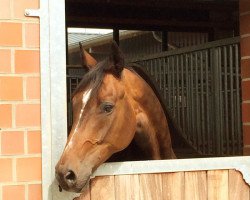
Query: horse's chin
<point>84,187</point>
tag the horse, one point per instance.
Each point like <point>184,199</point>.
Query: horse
<point>113,108</point>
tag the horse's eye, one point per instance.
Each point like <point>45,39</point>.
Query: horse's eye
<point>107,107</point>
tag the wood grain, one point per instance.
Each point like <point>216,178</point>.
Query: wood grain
<point>85,195</point>
<point>196,185</point>
<point>103,188</point>
<point>173,186</point>
<point>127,187</point>
<point>238,189</point>
<point>150,187</point>
<point>217,181</point>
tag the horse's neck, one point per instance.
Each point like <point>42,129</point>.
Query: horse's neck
<point>152,133</point>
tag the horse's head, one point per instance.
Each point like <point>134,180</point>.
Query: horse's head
<point>103,122</point>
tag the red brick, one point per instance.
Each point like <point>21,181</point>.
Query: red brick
<point>5,170</point>
<point>12,142</point>
<point>19,7</point>
<point>28,115</point>
<point>29,169</point>
<point>35,192</point>
<point>27,61</point>
<point>5,9</point>
<point>245,90</point>
<point>5,61</point>
<point>245,46</point>
<point>13,192</point>
<point>246,150</point>
<point>32,35</point>
<point>246,112</point>
<point>244,6</point>
<point>246,134</point>
<point>11,88</point>
<point>10,34</point>
<point>245,68</point>
<point>245,24</point>
<point>34,142</point>
<point>5,116</point>
<point>33,88</point>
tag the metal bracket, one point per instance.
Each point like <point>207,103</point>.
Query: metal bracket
<point>32,12</point>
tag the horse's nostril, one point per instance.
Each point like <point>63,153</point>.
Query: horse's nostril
<point>70,176</point>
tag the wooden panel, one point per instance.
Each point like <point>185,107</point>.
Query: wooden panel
<point>173,186</point>
<point>127,187</point>
<point>196,185</point>
<point>85,195</point>
<point>217,184</point>
<point>238,189</point>
<point>103,188</point>
<point>150,187</point>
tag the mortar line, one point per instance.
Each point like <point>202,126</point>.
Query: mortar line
<point>26,192</point>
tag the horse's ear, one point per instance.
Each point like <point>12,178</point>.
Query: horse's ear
<point>87,60</point>
<point>116,59</point>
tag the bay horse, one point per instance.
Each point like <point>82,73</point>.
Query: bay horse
<point>113,107</point>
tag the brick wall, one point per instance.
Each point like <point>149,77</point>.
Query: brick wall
<point>245,70</point>
<point>20,130</point>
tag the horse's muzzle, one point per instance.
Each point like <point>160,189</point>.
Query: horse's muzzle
<point>66,179</point>
<point>69,180</point>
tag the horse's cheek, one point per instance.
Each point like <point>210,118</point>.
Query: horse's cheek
<point>128,125</point>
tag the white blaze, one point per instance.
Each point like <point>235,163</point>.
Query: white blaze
<point>85,98</point>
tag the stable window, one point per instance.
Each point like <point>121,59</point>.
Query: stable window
<point>199,82</point>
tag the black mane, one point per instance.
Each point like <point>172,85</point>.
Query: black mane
<point>93,77</point>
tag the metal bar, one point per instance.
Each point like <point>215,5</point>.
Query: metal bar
<point>116,36</point>
<point>160,72</point>
<point>155,68</point>
<point>151,67</point>
<point>67,46</point>
<point>173,86</point>
<point>202,105</point>
<point>208,45</point>
<point>226,98</point>
<point>164,79</point>
<point>208,103</point>
<point>216,99</point>
<point>192,97</point>
<point>238,105</point>
<point>146,63</point>
<point>47,174</point>
<point>183,126</point>
<point>169,84</point>
<point>164,43</point>
<point>197,118</point>
<point>177,91</point>
<point>220,103</point>
<point>187,65</point>
<point>231,100</point>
